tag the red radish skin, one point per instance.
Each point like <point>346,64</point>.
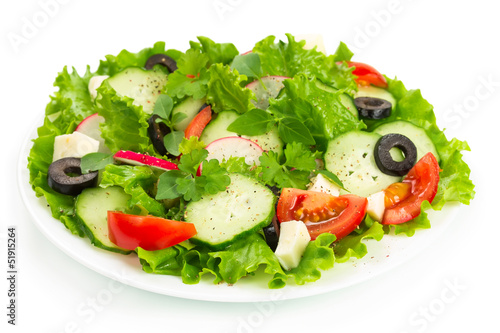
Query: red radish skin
<point>90,127</point>
<point>133,158</point>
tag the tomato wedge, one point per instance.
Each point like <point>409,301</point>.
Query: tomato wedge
<point>367,75</point>
<point>199,122</point>
<point>322,212</point>
<point>424,179</point>
<point>149,232</point>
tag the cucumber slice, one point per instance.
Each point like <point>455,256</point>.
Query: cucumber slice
<point>372,91</point>
<point>142,86</point>
<point>345,99</point>
<point>416,134</point>
<point>190,107</point>
<point>217,129</point>
<point>350,157</point>
<point>92,207</point>
<point>245,207</point>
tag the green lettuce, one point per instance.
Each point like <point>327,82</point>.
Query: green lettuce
<point>225,91</point>
<point>242,258</point>
<point>222,53</point>
<point>318,255</point>
<point>351,246</point>
<point>138,182</point>
<point>67,107</point>
<point>290,58</point>
<point>319,110</point>
<point>126,124</point>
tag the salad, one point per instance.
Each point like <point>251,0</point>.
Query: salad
<point>215,162</point>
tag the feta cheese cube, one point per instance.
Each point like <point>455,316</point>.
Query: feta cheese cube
<point>376,206</point>
<point>75,144</point>
<point>292,243</point>
<point>94,83</point>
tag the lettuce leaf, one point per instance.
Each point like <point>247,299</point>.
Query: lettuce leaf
<point>244,257</point>
<point>318,255</point>
<point>225,91</point>
<point>319,110</point>
<point>352,246</point>
<point>290,59</point>
<point>137,181</point>
<point>240,259</point>
<point>178,260</point>
<point>67,107</point>
<point>191,77</point>
<point>126,125</point>
<point>217,52</point>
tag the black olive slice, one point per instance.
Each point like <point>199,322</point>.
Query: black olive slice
<point>156,132</point>
<point>161,59</point>
<point>272,234</point>
<point>65,176</point>
<point>372,107</point>
<point>383,157</point>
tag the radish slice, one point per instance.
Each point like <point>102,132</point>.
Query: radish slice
<point>90,127</point>
<point>133,158</point>
<point>273,85</point>
<point>234,146</point>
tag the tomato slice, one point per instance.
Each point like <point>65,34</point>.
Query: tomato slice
<point>424,179</point>
<point>322,212</point>
<point>367,75</point>
<point>199,122</point>
<point>149,232</point>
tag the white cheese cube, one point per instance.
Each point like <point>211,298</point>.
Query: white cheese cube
<point>292,243</point>
<point>94,83</point>
<point>75,144</point>
<point>376,206</point>
<point>312,40</point>
<point>321,184</point>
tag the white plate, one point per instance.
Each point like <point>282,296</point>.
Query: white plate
<point>382,256</point>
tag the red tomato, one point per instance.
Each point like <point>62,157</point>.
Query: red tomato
<point>322,212</point>
<point>423,179</point>
<point>367,75</point>
<point>197,125</point>
<point>149,232</point>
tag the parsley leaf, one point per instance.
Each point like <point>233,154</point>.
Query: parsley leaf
<point>191,77</point>
<point>294,171</point>
<point>216,178</point>
<point>187,184</point>
<point>189,163</point>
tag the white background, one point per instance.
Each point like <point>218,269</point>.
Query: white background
<point>448,49</point>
